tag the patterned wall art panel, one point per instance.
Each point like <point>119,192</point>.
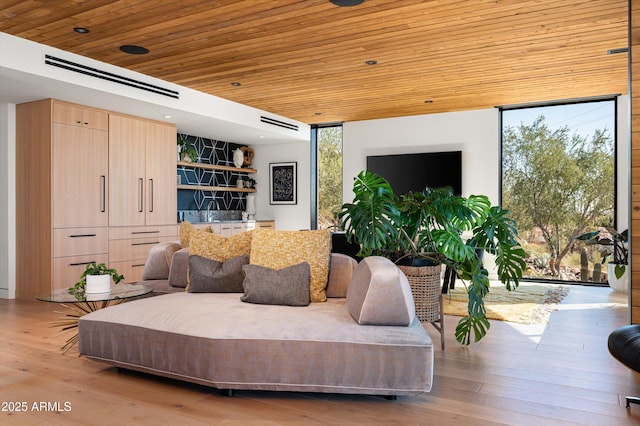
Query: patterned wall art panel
<point>210,151</point>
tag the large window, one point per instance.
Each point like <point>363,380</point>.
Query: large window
<point>558,180</point>
<point>328,148</point>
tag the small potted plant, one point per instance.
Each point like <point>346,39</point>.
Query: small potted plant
<point>188,152</point>
<point>615,245</point>
<point>249,182</point>
<point>96,278</point>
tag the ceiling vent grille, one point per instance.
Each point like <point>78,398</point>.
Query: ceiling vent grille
<point>279,123</point>
<point>104,75</point>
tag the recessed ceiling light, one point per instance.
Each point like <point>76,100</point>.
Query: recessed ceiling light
<point>134,50</point>
<point>81,30</point>
<point>371,62</point>
<point>346,3</point>
<point>236,83</point>
<point>166,116</point>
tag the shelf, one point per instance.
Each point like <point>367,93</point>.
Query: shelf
<point>216,188</point>
<point>216,167</point>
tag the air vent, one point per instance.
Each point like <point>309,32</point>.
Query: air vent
<point>104,75</point>
<point>278,123</point>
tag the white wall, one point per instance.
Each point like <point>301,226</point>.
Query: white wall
<point>7,199</point>
<point>475,133</point>
<point>287,217</point>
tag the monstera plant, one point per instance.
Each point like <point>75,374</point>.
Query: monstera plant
<point>442,228</point>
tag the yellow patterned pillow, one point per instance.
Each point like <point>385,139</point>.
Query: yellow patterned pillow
<point>281,249</point>
<point>217,247</point>
<point>185,231</point>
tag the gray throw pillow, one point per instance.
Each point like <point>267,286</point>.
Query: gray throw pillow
<point>211,276</point>
<point>288,286</point>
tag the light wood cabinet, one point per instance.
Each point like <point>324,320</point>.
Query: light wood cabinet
<point>129,247</point>
<point>61,191</point>
<point>142,184</point>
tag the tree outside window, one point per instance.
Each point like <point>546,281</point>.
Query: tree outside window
<point>558,180</point>
<point>329,176</point>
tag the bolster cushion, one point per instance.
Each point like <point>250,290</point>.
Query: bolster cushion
<point>179,268</point>
<point>160,256</point>
<point>341,269</point>
<point>379,294</point>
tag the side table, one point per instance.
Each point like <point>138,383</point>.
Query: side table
<point>79,304</point>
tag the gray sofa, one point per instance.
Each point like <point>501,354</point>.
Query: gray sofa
<point>365,339</point>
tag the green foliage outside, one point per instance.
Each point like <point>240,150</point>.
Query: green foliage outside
<point>329,176</point>
<point>557,186</point>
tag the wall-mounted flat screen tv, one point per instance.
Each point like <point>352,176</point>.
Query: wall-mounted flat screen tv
<point>414,172</point>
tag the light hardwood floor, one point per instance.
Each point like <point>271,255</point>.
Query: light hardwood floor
<point>556,374</point>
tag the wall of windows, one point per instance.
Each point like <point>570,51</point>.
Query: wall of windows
<point>559,181</point>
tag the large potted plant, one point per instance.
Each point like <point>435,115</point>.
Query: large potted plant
<point>614,245</point>
<point>439,227</point>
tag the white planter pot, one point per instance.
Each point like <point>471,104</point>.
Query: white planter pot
<point>621,284</point>
<point>98,284</point>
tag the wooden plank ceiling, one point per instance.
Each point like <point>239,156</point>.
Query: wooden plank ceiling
<point>305,59</point>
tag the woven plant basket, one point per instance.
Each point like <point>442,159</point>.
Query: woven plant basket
<point>425,286</point>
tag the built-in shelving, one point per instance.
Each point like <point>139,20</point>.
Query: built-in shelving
<point>216,167</point>
<point>216,188</point>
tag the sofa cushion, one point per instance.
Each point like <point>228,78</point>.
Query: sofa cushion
<point>160,256</point>
<point>185,231</point>
<point>211,276</point>
<point>341,269</point>
<point>379,294</point>
<point>280,249</point>
<point>179,268</point>
<point>217,247</point>
<point>287,286</point>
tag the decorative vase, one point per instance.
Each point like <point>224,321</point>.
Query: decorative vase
<point>240,183</point>
<point>98,284</point>
<point>238,157</point>
<point>620,285</point>
<point>251,207</point>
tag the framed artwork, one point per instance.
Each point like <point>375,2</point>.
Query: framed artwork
<point>283,183</point>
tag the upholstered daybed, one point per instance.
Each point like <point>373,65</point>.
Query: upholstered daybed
<point>365,341</point>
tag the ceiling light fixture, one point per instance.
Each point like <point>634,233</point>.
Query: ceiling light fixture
<point>134,50</point>
<point>346,3</point>
<point>81,30</point>
<point>371,62</point>
<point>236,83</point>
<point>166,116</point>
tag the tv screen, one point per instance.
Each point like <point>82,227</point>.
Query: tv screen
<point>414,172</point>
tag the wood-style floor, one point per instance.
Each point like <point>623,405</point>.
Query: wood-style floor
<point>556,374</point>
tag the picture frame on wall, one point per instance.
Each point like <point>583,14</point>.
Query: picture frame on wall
<point>283,182</point>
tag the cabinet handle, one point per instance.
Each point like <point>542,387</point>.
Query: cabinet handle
<point>151,195</point>
<point>82,263</point>
<point>140,189</point>
<point>82,235</point>
<point>103,180</point>
<point>145,232</point>
<point>146,244</point>
<point>137,265</point>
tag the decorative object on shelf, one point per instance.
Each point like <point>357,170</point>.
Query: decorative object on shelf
<point>249,182</point>
<point>240,183</point>
<point>615,244</point>
<point>187,151</point>
<point>251,207</point>
<point>283,183</point>
<point>238,157</point>
<point>248,155</point>
<point>245,215</point>
<point>96,278</point>
<point>428,226</point>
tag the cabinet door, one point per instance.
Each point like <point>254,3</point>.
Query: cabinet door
<point>77,116</point>
<point>126,171</point>
<point>161,191</point>
<point>80,175</point>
